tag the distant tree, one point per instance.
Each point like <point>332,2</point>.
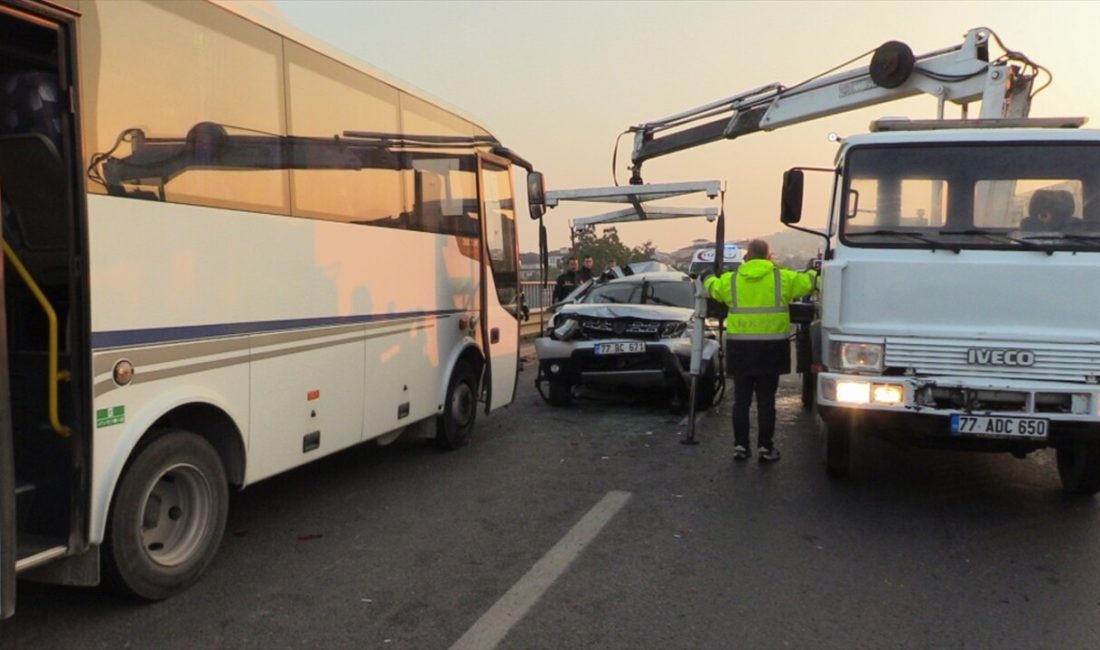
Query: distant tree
<point>607,247</point>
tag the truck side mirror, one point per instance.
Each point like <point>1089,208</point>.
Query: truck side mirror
<point>536,194</point>
<point>790,210</point>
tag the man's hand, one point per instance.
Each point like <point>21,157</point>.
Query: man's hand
<point>814,264</point>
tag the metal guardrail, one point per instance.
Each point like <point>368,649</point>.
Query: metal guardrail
<point>537,296</point>
<point>532,327</point>
<point>538,299</point>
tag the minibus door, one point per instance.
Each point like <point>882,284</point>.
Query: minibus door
<point>7,474</point>
<point>500,299</point>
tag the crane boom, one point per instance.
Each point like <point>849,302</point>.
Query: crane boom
<point>960,74</point>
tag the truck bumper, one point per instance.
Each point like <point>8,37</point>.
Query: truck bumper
<point>919,410</point>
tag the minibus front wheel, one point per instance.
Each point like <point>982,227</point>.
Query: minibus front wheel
<point>167,517</point>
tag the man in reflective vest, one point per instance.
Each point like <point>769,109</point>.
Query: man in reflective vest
<point>757,331</point>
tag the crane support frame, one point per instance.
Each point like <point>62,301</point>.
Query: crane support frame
<point>960,74</point>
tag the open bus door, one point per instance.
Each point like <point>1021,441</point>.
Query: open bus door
<point>45,400</point>
<point>500,297</point>
<point>7,476</point>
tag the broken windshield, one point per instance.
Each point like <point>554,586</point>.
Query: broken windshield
<point>672,294</point>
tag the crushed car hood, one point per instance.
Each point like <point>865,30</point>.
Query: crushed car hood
<point>647,312</point>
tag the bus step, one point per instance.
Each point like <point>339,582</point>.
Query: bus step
<point>24,498</point>
<point>35,550</point>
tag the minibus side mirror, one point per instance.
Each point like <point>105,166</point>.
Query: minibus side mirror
<point>536,194</point>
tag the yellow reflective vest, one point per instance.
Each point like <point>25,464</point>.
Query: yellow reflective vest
<point>758,294</point>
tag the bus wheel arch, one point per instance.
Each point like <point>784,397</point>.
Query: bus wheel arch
<point>214,425</point>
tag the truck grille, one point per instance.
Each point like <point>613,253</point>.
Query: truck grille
<point>1052,361</point>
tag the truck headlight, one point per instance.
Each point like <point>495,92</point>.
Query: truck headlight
<point>858,357</point>
<point>887,394</point>
<point>862,392</point>
<point>853,392</point>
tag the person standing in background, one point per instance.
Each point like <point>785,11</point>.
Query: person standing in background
<point>566,281</point>
<point>585,273</point>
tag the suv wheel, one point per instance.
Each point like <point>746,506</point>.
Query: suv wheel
<point>561,392</point>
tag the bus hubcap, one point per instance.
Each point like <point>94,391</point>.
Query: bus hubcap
<point>176,515</point>
<point>462,405</point>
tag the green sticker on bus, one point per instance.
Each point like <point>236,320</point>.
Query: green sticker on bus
<point>110,416</point>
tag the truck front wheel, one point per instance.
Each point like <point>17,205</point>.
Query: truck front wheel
<point>1079,466</point>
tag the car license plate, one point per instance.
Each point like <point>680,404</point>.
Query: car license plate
<point>623,347</point>
<point>983,425</point>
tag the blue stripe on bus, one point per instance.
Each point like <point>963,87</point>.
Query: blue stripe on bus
<point>126,338</point>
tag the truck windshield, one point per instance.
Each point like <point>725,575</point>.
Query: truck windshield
<point>1026,196</point>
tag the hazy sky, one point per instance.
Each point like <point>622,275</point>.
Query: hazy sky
<point>558,81</point>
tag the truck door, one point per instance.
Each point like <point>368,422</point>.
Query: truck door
<point>500,299</point>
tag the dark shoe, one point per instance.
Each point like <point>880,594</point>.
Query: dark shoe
<point>769,454</point>
<point>741,452</point>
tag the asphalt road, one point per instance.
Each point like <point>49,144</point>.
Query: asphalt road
<point>409,547</point>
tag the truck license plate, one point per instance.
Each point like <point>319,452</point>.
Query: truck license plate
<point>623,347</point>
<point>982,425</point>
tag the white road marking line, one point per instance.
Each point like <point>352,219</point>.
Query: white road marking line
<point>494,624</point>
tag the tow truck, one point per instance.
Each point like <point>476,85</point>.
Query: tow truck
<point>957,297</point>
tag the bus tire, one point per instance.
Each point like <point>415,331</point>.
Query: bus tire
<point>167,517</point>
<point>838,447</point>
<point>456,422</point>
<point>1079,466</point>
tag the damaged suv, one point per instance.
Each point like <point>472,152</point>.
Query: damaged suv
<point>632,331</point>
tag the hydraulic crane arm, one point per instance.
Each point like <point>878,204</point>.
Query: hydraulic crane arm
<point>959,74</point>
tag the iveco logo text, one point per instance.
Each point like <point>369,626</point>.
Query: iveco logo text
<point>993,357</point>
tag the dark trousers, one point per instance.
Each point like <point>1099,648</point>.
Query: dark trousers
<point>765,387</point>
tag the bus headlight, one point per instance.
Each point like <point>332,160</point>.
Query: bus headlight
<point>857,357</point>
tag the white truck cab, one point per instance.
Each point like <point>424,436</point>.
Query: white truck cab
<point>959,304</point>
<point>958,300</point>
